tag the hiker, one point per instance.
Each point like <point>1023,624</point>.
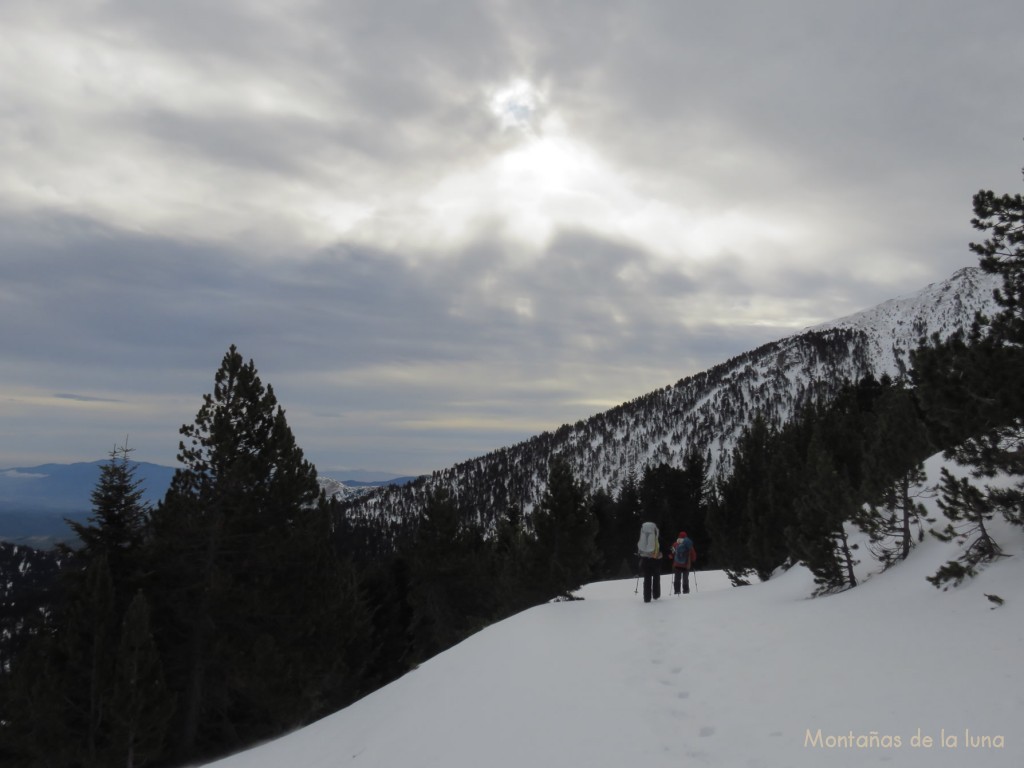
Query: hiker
<point>649,549</point>
<point>683,555</point>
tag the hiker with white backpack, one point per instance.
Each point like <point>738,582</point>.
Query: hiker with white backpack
<point>649,550</point>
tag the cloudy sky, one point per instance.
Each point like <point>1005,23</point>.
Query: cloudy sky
<point>441,227</point>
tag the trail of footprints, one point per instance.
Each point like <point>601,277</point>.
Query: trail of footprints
<point>672,680</point>
<point>662,649</point>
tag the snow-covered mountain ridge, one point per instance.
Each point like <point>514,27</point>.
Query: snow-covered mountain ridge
<point>339,491</point>
<point>938,308</point>
<point>705,412</point>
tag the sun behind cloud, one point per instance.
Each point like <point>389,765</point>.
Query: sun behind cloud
<point>546,178</point>
<point>518,105</point>
<point>541,180</point>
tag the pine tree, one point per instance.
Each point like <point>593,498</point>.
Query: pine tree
<point>662,496</point>
<point>565,546</point>
<point>258,620</point>
<point>897,441</point>
<point>36,728</point>
<point>819,538</point>
<point>696,485</point>
<point>387,584</point>
<point>141,708</point>
<point>116,530</point>
<point>609,544</point>
<point>1003,254</point>
<point>770,510</point>
<point>450,592</point>
<point>968,510</point>
<point>745,518</point>
<point>896,519</point>
<point>512,547</point>
<point>67,674</point>
<point>629,515</point>
<point>970,386</point>
<point>62,679</point>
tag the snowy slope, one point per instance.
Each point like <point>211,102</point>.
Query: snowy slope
<point>894,327</point>
<point>752,676</point>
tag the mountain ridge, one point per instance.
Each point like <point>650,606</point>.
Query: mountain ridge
<point>705,412</point>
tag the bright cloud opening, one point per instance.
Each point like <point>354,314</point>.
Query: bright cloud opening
<point>517,105</point>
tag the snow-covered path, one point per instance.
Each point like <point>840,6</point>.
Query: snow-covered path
<point>721,677</point>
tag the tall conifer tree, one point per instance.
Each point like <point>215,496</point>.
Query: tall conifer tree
<point>67,717</point>
<point>971,388</point>
<point>566,532</point>
<point>140,707</point>
<point>451,588</point>
<point>258,616</point>
<point>818,538</point>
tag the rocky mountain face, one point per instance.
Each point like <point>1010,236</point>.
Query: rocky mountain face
<point>705,412</point>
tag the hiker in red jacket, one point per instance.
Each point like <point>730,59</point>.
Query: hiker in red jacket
<point>683,555</point>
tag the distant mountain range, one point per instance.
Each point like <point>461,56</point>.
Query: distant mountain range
<point>705,412</point>
<point>34,501</point>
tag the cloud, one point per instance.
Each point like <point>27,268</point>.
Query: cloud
<point>142,323</point>
<point>83,398</point>
<point>438,227</point>
<point>13,473</point>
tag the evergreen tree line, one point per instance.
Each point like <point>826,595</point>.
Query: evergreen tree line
<point>245,604</point>
<point>795,491</point>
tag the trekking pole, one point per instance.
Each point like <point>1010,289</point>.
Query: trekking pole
<point>636,589</point>
<point>695,582</point>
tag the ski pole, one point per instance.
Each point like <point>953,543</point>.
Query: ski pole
<point>695,582</point>
<point>636,589</point>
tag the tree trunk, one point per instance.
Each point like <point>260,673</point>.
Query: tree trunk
<point>847,558</point>
<point>908,506</point>
<point>194,693</point>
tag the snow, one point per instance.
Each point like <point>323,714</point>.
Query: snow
<point>752,676</point>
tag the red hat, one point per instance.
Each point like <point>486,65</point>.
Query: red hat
<point>682,534</point>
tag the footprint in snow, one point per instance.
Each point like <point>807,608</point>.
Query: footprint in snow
<point>707,730</point>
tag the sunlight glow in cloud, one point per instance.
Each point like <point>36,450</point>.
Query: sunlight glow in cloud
<point>517,106</point>
<point>550,182</point>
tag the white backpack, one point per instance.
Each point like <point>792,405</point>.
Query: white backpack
<point>648,544</point>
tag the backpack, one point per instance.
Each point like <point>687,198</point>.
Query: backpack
<point>683,556</point>
<point>648,544</point>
